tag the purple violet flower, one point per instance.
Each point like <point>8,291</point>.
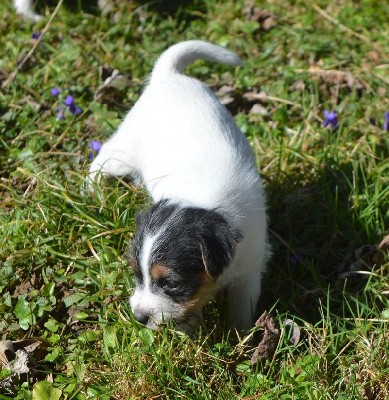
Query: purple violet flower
<point>75,110</point>
<point>69,101</point>
<point>36,35</point>
<point>330,118</point>
<point>55,91</point>
<point>385,126</point>
<point>95,147</point>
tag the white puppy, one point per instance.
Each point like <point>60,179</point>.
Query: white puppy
<point>207,227</point>
<point>25,9</point>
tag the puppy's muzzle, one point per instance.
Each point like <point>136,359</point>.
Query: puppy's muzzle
<point>142,317</point>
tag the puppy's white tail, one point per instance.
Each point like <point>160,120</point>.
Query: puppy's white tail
<point>177,57</point>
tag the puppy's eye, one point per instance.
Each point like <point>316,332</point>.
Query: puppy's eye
<point>169,286</point>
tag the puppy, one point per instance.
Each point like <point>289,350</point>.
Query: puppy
<point>207,227</point>
<point>25,9</point>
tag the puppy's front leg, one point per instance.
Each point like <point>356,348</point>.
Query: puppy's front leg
<point>111,161</point>
<point>242,302</point>
<point>24,8</point>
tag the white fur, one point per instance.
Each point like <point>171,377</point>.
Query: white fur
<point>185,146</point>
<point>25,9</point>
<point>144,299</point>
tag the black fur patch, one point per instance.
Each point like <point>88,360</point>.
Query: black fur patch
<point>189,242</point>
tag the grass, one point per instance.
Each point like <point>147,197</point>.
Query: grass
<point>63,275</point>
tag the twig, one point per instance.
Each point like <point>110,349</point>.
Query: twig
<point>12,76</point>
<point>265,96</point>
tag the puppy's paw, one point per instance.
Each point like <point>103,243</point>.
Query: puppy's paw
<point>34,17</point>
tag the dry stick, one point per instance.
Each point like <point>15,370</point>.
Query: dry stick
<point>344,27</point>
<point>36,44</point>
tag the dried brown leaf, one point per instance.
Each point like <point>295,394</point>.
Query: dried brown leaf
<point>357,260</point>
<point>22,364</point>
<point>269,340</point>
<point>226,94</point>
<point>266,19</point>
<point>296,333</point>
<point>374,56</point>
<point>268,23</point>
<point>257,109</point>
<point>337,77</point>
<point>113,82</point>
<point>299,85</point>
<point>352,270</point>
<point>21,357</point>
<point>225,90</point>
<point>255,96</point>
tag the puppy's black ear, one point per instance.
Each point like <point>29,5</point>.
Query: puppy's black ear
<point>218,244</point>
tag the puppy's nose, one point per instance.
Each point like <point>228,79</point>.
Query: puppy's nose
<point>142,317</point>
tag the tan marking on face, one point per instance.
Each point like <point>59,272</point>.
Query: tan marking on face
<point>159,271</point>
<point>206,292</point>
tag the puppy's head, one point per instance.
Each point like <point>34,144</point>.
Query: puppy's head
<point>178,254</point>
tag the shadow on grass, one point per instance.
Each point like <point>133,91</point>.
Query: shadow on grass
<point>312,228</point>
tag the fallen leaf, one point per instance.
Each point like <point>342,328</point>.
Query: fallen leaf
<point>269,338</point>
<point>336,77</point>
<point>225,100</point>
<point>357,260</point>
<point>224,90</point>
<point>23,288</point>
<point>352,270</point>
<point>257,109</point>
<point>374,56</point>
<point>353,82</point>
<point>226,94</point>
<point>19,357</point>
<point>255,96</point>
<point>22,364</point>
<point>269,23</point>
<point>113,83</point>
<point>296,333</point>
<point>299,86</point>
<point>266,19</point>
